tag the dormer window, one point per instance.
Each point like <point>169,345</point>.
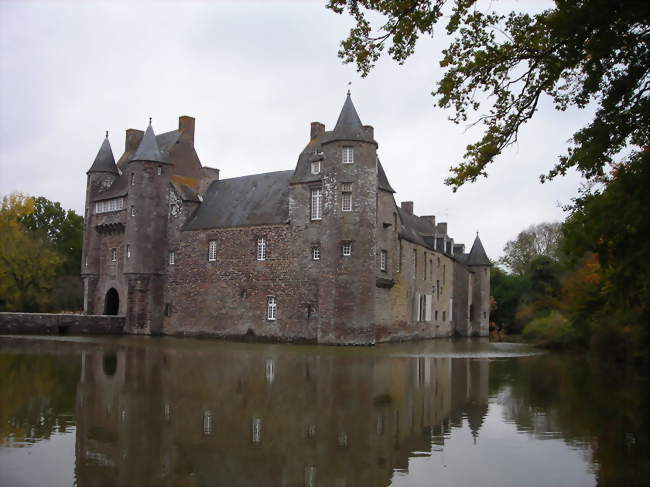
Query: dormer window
<point>315,167</point>
<point>348,155</point>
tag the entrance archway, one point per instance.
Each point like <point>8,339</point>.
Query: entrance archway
<point>112,302</point>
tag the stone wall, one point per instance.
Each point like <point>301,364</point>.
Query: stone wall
<point>59,324</point>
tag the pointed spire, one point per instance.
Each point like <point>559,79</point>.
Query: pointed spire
<point>104,162</point>
<point>349,126</point>
<point>477,255</point>
<point>148,149</point>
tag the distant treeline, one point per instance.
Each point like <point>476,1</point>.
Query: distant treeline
<point>40,255</point>
<point>584,283</point>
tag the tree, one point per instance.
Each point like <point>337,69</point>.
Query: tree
<point>536,240</point>
<point>577,53</point>
<point>64,229</point>
<point>507,290</point>
<point>28,265</point>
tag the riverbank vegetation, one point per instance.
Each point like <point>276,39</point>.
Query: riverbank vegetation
<point>40,255</point>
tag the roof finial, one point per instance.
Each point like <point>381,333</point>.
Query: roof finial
<point>349,84</point>
<point>149,120</point>
<point>477,233</point>
<point>107,134</point>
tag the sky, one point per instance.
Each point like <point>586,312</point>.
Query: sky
<point>254,75</point>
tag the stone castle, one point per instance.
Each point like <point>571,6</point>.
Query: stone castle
<point>320,253</point>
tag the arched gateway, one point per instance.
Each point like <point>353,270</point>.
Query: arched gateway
<point>112,302</point>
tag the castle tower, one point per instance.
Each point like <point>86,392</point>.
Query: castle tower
<point>479,266</point>
<point>100,177</point>
<point>148,176</point>
<point>348,231</point>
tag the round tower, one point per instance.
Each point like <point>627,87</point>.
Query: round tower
<point>148,176</point>
<point>100,177</point>
<point>348,230</point>
<point>479,265</point>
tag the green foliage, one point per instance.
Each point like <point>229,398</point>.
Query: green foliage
<point>40,252</point>
<point>577,53</point>
<point>552,331</point>
<point>507,291</point>
<point>536,240</point>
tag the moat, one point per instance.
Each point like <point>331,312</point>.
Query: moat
<point>146,411</point>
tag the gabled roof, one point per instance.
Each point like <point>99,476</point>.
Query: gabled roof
<point>260,199</point>
<point>104,162</point>
<point>148,149</point>
<point>348,126</point>
<point>477,255</point>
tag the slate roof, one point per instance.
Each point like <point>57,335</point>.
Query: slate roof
<point>348,126</point>
<point>120,187</point>
<point>260,199</point>
<point>382,179</point>
<point>104,162</point>
<point>148,149</point>
<point>477,255</point>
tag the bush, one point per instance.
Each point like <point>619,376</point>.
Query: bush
<point>552,331</point>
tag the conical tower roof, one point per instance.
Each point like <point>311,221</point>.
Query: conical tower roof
<point>477,255</point>
<point>349,126</point>
<point>148,149</point>
<point>104,162</point>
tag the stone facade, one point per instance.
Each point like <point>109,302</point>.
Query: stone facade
<point>320,253</point>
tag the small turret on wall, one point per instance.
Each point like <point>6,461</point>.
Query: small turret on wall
<point>479,312</point>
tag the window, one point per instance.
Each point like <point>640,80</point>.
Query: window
<point>207,422</point>
<point>444,316</point>
<point>128,251</point>
<point>346,197</point>
<point>114,254</point>
<point>415,263</point>
<point>86,260</point>
<point>484,315</point>
<point>315,253</point>
<point>316,204</point>
<point>133,211</point>
<point>212,250</point>
<point>398,262</point>
<point>261,248</point>
<point>424,274</point>
<point>422,307</point>
<point>257,430</point>
<point>348,155</point>
<point>383,260</point>
<point>436,315</point>
<point>347,249</point>
<point>271,308</point>
<point>315,167</point>
<point>132,179</point>
<point>444,272</point>
<point>172,257</point>
<point>159,170</point>
<point>106,206</point>
<point>438,289</point>
<point>431,269</point>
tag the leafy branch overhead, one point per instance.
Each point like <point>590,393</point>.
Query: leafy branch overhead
<point>498,68</point>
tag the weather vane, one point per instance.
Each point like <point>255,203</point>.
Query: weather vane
<point>349,84</point>
<point>107,134</point>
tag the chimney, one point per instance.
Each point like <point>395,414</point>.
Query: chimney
<point>133,138</point>
<point>317,130</point>
<point>430,219</point>
<point>441,228</point>
<point>407,206</point>
<point>186,128</point>
<point>369,131</point>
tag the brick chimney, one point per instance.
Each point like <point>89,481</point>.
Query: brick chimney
<point>186,128</point>
<point>133,138</point>
<point>317,130</point>
<point>369,131</point>
<point>441,228</point>
<point>407,206</point>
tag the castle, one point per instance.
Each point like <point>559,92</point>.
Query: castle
<point>320,253</point>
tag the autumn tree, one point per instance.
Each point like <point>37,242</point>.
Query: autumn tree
<point>499,66</point>
<point>28,265</point>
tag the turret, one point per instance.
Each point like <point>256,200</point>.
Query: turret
<point>348,230</point>
<point>100,177</point>
<point>479,266</point>
<point>148,176</point>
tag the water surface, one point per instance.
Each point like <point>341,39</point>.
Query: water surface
<point>183,412</point>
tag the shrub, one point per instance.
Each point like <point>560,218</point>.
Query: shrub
<point>552,331</point>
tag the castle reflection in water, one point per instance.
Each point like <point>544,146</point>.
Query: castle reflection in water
<point>266,415</point>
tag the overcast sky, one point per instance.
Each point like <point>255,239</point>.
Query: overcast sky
<point>254,75</point>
